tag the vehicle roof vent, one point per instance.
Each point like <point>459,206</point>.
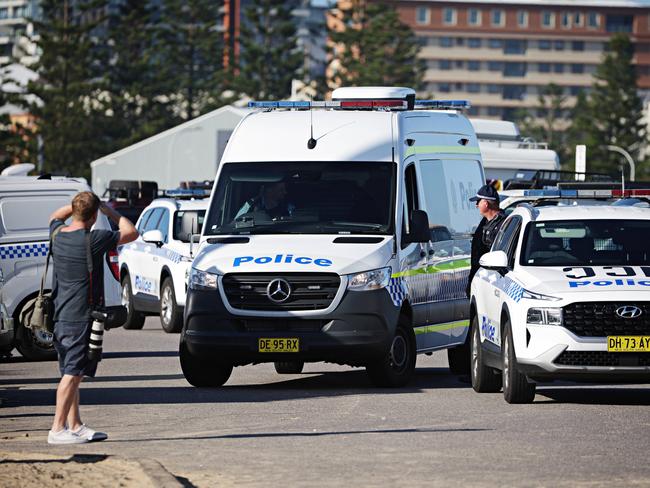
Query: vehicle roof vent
<point>354,93</point>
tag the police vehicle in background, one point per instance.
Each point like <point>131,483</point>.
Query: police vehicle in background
<point>563,294</point>
<point>153,268</point>
<point>26,203</point>
<point>337,231</point>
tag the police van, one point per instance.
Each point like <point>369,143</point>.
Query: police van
<point>26,203</point>
<point>563,294</point>
<point>154,267</point>
<point>337,231</point>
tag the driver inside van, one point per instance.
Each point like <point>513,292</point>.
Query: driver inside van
<point>271,200</point>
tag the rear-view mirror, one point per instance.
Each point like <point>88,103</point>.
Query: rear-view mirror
<point>153,237</point>
<point>418,227</point>
<point>494,260</point>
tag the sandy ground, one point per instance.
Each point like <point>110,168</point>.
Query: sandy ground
<point>39,470</point>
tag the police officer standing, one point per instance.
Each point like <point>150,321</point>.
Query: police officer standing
<point>487,201</point>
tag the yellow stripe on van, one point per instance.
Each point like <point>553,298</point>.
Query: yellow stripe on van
<point>442,149</point>
<point>437,268</point>
<point>426,329</point>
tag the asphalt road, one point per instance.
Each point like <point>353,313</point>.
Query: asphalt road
<point>329,426</point>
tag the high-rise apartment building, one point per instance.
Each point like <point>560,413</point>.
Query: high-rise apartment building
<point>500,54</point>
<point>16,30</point>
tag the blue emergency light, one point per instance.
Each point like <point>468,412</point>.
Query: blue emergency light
<point>443,104</point>
<point>361,104</point>
<point>187,193</point>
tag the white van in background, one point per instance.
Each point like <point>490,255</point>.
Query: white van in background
<point>507,155</point>
<point>337,231</point>
<point>26,203</point>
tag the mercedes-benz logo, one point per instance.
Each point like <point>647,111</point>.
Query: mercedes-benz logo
<point>628,312</point>
<point>279,290</point>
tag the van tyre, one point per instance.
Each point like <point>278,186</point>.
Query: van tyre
<point>34,345</point>
<point>134,319</point>
<point>396,367</point>
<point>171,316</point>
<point>516,388</point>
<point>459,358</point>
<point>289,367</point>
<point>203,373</point>
<point>484,378</point>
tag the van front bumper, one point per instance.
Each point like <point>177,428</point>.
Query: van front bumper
<point>359,329</point>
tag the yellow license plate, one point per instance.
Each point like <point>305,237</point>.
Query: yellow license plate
<point>628,344</point>
<point>284,344</point>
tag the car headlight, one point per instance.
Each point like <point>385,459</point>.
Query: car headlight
<point>544,316</point>
<point>369,280</point>
<point>531,295</point>
<point>202,280</point>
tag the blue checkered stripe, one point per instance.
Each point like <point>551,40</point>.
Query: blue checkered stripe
<point>397,291</point>
<point>513,289</point>
<point>21,251</point>
<point>174,257</point>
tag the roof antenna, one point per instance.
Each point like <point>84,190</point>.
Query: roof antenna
<point>311,143</point>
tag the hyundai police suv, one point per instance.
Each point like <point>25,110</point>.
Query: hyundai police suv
<point>153,268</point>
<point>564,293</point>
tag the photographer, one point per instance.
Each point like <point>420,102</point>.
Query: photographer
<point>75,292</point>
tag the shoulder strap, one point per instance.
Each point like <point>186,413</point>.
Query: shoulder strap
<point>47,259</point>
<point>89,263</point>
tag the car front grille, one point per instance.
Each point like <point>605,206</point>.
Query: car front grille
<point>602,358</point>
<point>309,291</point>
<point>599,319</point>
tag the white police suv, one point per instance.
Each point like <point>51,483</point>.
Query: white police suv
<point>564,293</point>
<point>153,268</point>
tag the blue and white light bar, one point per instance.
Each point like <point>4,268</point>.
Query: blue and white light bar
<point>187,193</point>
<point>443,104</point>
<point>551,193</point>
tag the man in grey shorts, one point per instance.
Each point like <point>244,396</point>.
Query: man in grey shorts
<point>74,292</point>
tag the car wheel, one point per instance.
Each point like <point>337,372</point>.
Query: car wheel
<point>35,345</point>
<point>516,388</point>
<point>459,358</point>
<point>203,372</point>
<point>396,367</point>
<point>134,319</point>
<point>484,378</point>
<point>289,367</point>
<point>171,317</point>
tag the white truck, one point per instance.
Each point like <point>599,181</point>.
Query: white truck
<point>337,231</point>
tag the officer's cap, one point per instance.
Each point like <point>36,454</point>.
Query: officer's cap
<point>486,192</point>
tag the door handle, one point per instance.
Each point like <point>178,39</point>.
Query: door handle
<point>497,293</point>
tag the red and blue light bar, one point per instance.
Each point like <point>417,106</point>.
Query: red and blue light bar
<point>379,104</point>
<point>586,193</point>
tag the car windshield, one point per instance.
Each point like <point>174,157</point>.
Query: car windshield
<point>303,198</point>
<point>195,219</point>
<point>590,242</point>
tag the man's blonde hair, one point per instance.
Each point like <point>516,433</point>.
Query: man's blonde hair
<point>84,206</point>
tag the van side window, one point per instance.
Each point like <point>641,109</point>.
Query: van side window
<point>411,189</point>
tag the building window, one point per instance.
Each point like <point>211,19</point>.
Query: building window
<point>544,45</point>
<point>449,16</point>
<point>474,42</point>
<point>495,43</point>
<point>473,87</point>
<point>19,12</point>
<point>522,18</point>
<point>558,45</point>
<point>446,42</point>
<point>498,18</point>
<point>566,20</point>
<point>460,41</point>
<point>494,89</point>
<point>558,68</point>
<point>473,111</point>
<point>577,68</point>
<point>619,23</point>
<point>474,16</point>
<point>548,19</point>
<point>444,87</point>
<point>444,64</point>
<point>494,111</point>
<point>4,13</point>
<point>593,19</point>
<point>474,65</point>
<point>575,90</point>
<point>460,64</point>
<point>495,66</point>
<point>514,46</point>
<point>578,45</point>
<point>514,92</point>
<point>544,67</point>
<point>578,19</point>
<point>514,69</point>
<point>423,15</point>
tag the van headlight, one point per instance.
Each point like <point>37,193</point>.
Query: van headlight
<point>202,280</point>
<point>544,316</point>
<point>375,279</point>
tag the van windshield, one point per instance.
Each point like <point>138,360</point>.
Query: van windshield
<point>303,198</point>
<point>591,242</point>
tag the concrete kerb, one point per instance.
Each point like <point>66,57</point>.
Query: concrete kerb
<point>158,474</point>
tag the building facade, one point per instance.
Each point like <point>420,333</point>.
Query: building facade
<point>501,54</point>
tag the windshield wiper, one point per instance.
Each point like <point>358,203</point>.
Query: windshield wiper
<point>365,225</point>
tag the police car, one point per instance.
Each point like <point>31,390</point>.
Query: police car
<point>153,268</point>
<point>564,293</point>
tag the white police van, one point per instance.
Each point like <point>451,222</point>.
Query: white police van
<point>563,294</point>
<point>153,268</point>
<point>337,231</point>
<point>26,203</point>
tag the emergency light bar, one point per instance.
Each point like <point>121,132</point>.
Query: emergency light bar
<point>585,193</point>
<point>443,104</point>
<point>378,104</point>
<point>186,193</point>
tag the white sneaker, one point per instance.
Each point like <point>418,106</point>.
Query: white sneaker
<point>65,437</point>
<point>89,434</point>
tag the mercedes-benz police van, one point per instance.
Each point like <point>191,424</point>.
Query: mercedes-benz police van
<point>337,231</point>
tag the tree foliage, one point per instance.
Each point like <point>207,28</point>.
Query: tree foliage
<point>374,48</point>
<point>270,58</point>
<point>15,138</point>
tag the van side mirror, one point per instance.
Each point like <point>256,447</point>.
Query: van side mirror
<point>419,227</point>
<point>496,260</point>
<point>153,237</point>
